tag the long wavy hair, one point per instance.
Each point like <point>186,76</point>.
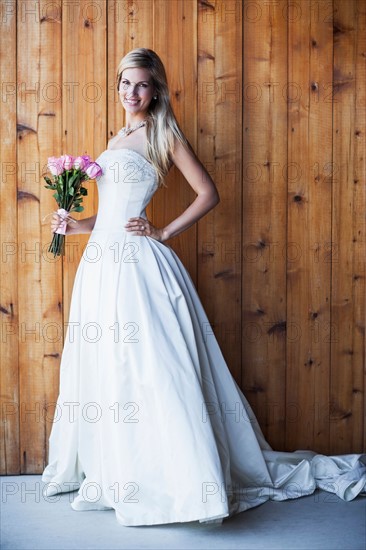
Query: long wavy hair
<point>161,125</point>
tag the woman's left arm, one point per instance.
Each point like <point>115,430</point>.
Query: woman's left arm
<point>207,198</point>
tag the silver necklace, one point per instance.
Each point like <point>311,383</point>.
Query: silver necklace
<point>125,131</point>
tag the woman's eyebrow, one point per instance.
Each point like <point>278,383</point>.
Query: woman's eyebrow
<point>146,81</point>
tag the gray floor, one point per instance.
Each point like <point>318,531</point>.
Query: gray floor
<point>320,520</point>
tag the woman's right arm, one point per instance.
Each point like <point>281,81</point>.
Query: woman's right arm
<point>82,226</point>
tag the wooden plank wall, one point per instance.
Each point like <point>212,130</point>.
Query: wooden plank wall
<point>271,96</point>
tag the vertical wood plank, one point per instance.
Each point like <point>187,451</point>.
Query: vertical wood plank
<point>49,140</point>
<point>40,322</point>
<point>348,235</point>
<point>9,374</point>
<point>359,218</point>
<point>309,229</point>
<point>181,68</point>
<point>84,108</point>
<point>264,216</point>
<point>219,145</point>
<point>207,86</point>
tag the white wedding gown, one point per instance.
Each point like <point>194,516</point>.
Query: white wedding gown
<point>149,421</point>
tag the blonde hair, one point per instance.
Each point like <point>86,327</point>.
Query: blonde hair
<point>161,126</point>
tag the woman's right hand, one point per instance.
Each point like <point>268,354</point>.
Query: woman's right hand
<point>56,222</point>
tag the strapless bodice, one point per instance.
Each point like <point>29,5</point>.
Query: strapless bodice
<point>125,188</point>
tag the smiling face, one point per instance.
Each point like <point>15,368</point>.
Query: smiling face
<point>136,91</point>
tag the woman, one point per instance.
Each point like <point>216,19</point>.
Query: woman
<point>149,421</point>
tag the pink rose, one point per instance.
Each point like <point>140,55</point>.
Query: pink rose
<point>55,165</point>
<point>68,161</point>
<point>93,170</point>
<point>80,163</point>
<point>87,159</point>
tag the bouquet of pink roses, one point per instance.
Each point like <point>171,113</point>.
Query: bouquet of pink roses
<point>68,175</point>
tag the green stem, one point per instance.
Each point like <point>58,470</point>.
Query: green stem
<point>57,246</point>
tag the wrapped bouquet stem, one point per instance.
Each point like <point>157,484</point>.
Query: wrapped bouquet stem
<point>68,173</point>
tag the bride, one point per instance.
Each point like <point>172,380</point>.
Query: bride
<point>149,421</point>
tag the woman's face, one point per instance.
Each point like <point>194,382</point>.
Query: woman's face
<point>136,90</point>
